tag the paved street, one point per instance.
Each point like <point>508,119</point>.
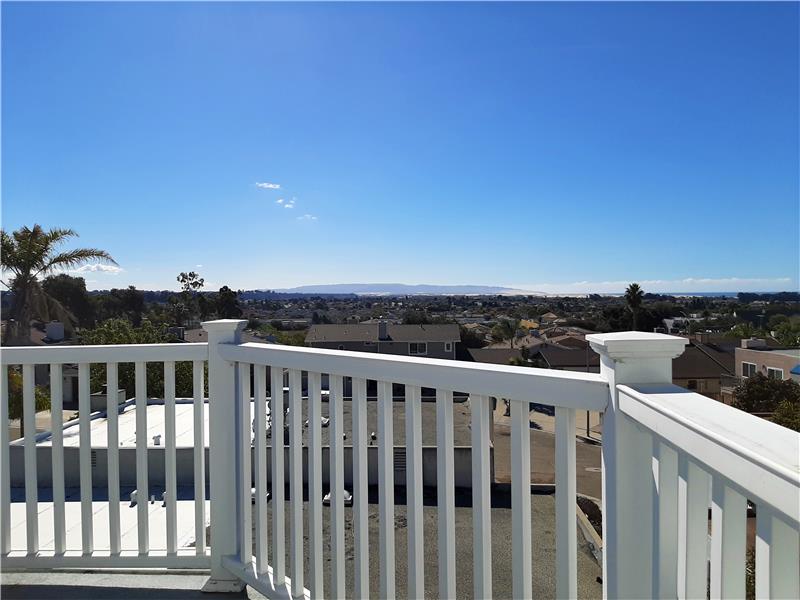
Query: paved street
<point>588,477</point>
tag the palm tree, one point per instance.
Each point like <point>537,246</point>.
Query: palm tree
<point>505,329</point>
<point>28,255</point>
<point>633,298</point>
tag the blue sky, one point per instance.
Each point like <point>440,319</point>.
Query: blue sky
<point>556,147</point>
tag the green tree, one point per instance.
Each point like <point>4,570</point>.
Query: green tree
<point>633,299</point>
<point>41,397</point>
<point>523,360</point>
<point>29,254</point>
<point>787,332</point>
<point>760,394</point>
<point>505,329</point>
<point>415,317</point>
<point>471,339</point>
<point>185,305</point>
<point>191,282</point>
<point>122,331</point>
<point>228,303</point>
<point>204,306</point>
<point>743,330</point>
<point>178,310</point>
<point>71,293</point>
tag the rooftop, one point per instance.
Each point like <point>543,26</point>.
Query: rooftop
<point>395,333</point>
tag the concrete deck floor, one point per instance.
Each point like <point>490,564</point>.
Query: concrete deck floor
<point>99,585</point>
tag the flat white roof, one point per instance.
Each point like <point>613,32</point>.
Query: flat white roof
<point>184,427</point>
<point>128,525</point>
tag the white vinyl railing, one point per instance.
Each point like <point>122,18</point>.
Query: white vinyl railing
<point>675,462</point>
<point>58,552</point>
<point>565,391</point>
<point>668,456</point>
<point>704,448</point>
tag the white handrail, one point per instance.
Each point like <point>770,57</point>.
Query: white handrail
<point>741,447</point>
<point>36,355</point>
<point>586,391</point>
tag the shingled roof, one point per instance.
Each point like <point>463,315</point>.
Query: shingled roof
<point>395,333</point>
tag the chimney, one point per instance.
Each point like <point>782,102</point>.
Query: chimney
<point>382,331</point>
<point>754,343</point>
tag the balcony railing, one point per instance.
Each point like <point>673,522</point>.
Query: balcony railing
<point>668,456</point>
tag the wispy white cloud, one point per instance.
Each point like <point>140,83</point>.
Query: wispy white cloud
<point>99,268</point>
<point>289,203</point>
<point>688,284</point>
<point>198,266</point>
<point>279,201</point>
<point>307,217</point>
<point>264,185</point>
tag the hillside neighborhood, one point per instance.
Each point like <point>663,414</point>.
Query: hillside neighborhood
<point>729,338</point>
<point>400,300</point>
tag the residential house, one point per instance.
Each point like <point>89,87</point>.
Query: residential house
<point>754,356</point>
<point>703,368</point>
<point>577,341</point>
<point>432,341</point>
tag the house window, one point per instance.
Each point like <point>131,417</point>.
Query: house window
<point>692,385</point>
<point>774,373</point>
<point>418,348</point>
<point>448,346</point>
<point>748,369</point>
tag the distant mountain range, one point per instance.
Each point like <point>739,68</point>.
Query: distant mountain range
<point>402,289</point>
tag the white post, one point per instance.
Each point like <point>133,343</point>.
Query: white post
<point>222,443</point>
<point>629,358</point>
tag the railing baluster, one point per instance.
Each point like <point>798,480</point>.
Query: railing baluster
<point>85,452</point>
<point>480,408</point>
<point>278,525</point>
<point>692,528</point>
<point>360,489</point>
<point>31,484</point>
<point>666,539</point>
<point>260,433</point>
<point>386,488</point>
<point>777,548</point>
<point>521,499</point>
<point>142,488</point>
<point>296,476</point>
<point>785,550</point>
<point>112,418</point>
<point>245,482</point>
<point>416,537</point>
<point>566,527</point>
<point>445,494</point>
<point>763,551</point>
<point>199,456</point>
<point>5,466</point>
<point>728,541</point>
<point>335,399</point>
<point>315,483</point>
<point>57,442</point>
<point>170,470</point>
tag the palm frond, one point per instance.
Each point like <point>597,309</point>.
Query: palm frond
<point>77,257</point>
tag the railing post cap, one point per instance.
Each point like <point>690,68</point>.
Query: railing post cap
<point>637,344</point>
<point>219,325</point>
